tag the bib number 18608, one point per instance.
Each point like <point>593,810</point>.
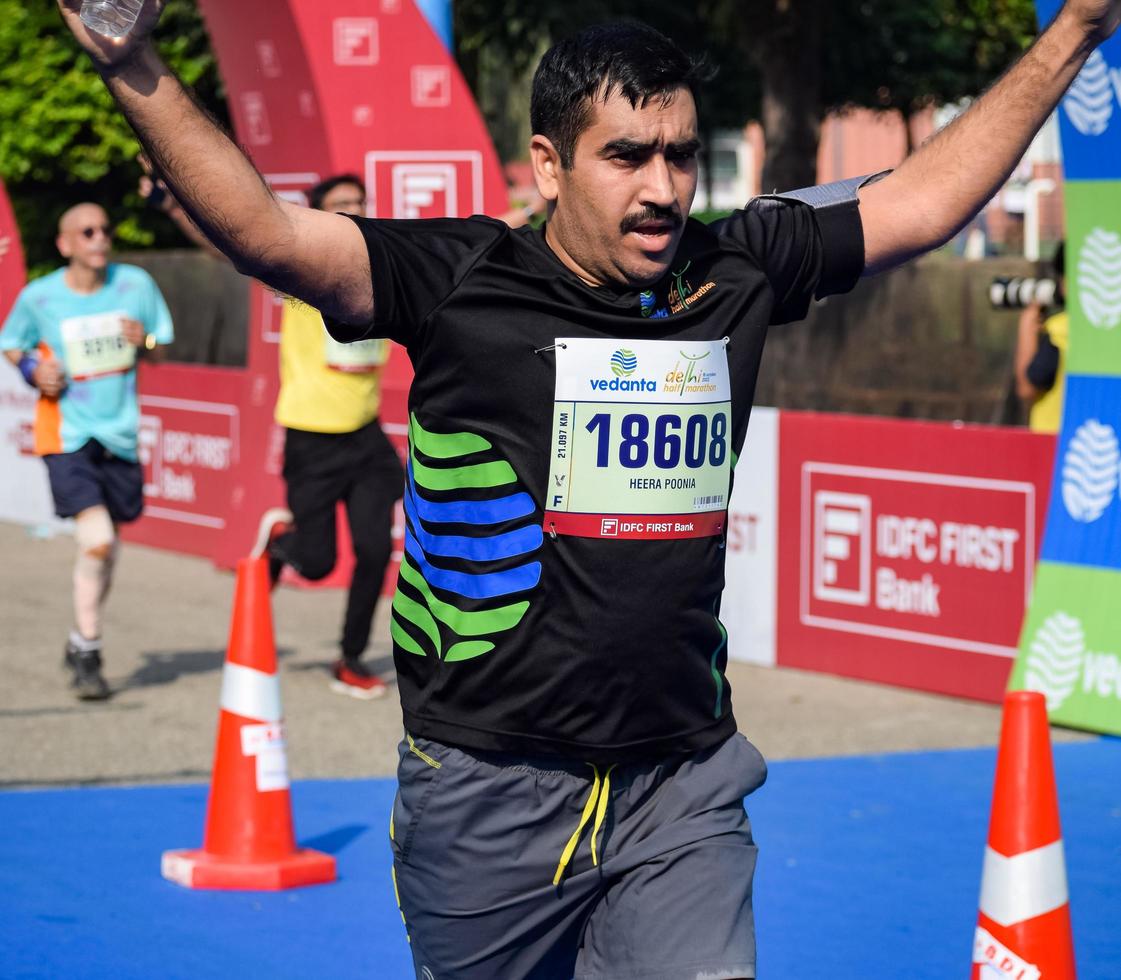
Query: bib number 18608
<point>669,439</point>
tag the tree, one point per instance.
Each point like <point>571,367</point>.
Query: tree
<point>62,140</point>
<point>907,57</point>
<point>498,44</point>
<point>882,54</point>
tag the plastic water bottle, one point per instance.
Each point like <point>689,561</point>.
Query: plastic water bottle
<point>113,18</point>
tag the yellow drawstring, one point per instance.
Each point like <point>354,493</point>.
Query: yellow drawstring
<point>601,810</point>
<point>597,802</point>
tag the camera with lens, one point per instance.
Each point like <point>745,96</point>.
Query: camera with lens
<point>1015,293</point>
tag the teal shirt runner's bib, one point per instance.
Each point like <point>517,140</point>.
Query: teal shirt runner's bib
<point>641,445</point>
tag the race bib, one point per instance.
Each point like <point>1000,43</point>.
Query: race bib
<point>641,443</point>
<point>361,357</point>
<point>94,346</point>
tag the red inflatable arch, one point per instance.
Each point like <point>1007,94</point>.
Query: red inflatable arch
<point>12,272</point>
<point>315,87</point>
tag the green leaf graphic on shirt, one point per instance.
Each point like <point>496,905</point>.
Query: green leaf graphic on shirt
<point>464,623</point>
<point>420,617</point>
<point>447,445</point>
<point>452,446</point>
<point>449,629</point>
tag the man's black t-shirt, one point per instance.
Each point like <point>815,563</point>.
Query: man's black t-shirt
<point>507,635</point>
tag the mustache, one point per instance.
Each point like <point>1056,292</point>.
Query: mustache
<point>648,214</point>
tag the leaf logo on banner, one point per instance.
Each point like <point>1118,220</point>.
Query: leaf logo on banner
<point>1090,471</point>
<point>1099,278</point>
<point>1089,100</point>
<point>1054,661</point>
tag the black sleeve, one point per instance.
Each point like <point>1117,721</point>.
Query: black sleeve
<point>1044,367</point>
<point>414,267</point>
<point>808,243</point>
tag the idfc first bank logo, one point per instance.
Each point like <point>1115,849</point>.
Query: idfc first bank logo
<point>933,558</point>
<point>424,184</point>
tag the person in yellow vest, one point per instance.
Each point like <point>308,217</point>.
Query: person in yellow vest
<point>1041,351</point>
<point>334,448</point>
<point>335,452</point>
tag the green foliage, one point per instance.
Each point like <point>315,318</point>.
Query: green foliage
<point>906,56</point>
<point>811,56</point>
<point>62,140</point>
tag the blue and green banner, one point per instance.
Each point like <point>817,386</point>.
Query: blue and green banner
<point>1070,648</point>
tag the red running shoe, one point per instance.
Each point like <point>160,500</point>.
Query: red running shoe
<point>355,679</point>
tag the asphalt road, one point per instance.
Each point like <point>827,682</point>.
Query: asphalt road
<point>165,634</point>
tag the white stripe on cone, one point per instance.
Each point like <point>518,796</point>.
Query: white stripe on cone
<point>251,693</point>
<point>1021,887</point>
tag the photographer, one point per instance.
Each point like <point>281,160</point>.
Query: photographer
<point>1041,346</point>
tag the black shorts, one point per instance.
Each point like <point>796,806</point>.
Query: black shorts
<point>92,476</point>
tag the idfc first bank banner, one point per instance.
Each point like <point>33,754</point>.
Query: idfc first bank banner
<point>1070,649</point>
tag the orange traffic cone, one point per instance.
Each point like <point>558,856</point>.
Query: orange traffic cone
<point>1023,929</point>
<point>249,841</point>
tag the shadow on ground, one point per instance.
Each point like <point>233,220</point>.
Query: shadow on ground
<point>335,840</point>
<point>165,667</point>
<point>382,666</point>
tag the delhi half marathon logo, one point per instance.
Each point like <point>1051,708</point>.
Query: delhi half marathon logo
<point>623,363</point>
<point>1055,659</point>
<point>1099,278</point>
<point>1090,471</point>
<point>1089,100</point>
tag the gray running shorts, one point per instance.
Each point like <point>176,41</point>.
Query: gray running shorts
<point>497,880</point>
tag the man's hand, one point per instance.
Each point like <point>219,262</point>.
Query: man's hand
<point>108,51</point>
<point>1099,17</point>
<point>49,377</point>
<point>132,331</point>
<point>5,242</point>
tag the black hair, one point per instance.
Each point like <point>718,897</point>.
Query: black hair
<point>1058,261</point>
<point>630,58</point>
<point>316,195</point>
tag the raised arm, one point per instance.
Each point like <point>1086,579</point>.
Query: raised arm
<point>318,257</point>
<point>937,190</point>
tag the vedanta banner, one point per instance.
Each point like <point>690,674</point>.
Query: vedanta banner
<point>1070,648</point>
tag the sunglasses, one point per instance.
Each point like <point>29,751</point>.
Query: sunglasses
<point>92,231</point>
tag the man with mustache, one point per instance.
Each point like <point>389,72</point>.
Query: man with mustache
<point>572,780</point>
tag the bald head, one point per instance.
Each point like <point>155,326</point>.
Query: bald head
<point>85,239</point>
<point>81,216</point>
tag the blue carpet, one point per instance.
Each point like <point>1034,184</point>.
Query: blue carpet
<point>869,868</point>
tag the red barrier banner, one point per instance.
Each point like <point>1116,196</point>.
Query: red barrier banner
<point>191,447</point>
<point>12,274</point>
<point>907,549</point>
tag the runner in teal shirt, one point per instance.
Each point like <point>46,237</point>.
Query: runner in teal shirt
<point>75,336</point>
<point>82,331</point>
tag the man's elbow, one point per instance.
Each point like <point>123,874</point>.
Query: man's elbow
<point>1026,391</point>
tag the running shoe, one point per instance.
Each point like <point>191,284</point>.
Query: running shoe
<point>87,682</point>
<point>274,522</point>
<point>357,680</point>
